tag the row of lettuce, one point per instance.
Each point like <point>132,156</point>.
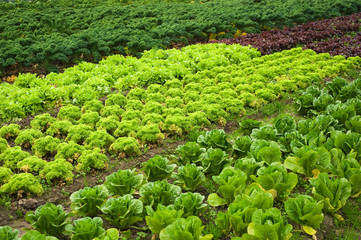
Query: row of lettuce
<point>252,172</point>
<point>84,137</point>
<point>33,34</point>
<point>337,36</point>
<point>244,78</point>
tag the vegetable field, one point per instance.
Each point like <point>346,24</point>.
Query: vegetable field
<point>177,120</point>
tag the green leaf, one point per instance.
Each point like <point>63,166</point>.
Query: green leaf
<point>214,200</point>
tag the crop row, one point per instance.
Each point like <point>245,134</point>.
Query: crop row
<point>252,172</point>
<point>38,34</point>
<point>326,33</point>
<point>192,76</point>
<point>83,136</point>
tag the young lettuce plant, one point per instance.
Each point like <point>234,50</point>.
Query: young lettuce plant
<point>248,125</point>
<point>160,192</point>
<point>305,211</point>
<point>127,128</point>
<point>70,112</point>
<point>241,146</point>
<point>157,168</point>
<point>45,145</point>
<point>26,182</point>
<point>10,131</point>
<point>267,132</point>
<point>248,165</point>
<point>31,164</point>
<point>189,177</point>
<point>123,212</point>
<point>5,175</point>
<point>189,153</point>
<point>116,99</point>
<point>125,146</point>
<point>92,159</point>
<point>190,203</point>
<point>42,122</point>
<point>284,124</point>
<point>49,219</point>
<point>150,133</point>
<point>7,233</point>
<point>34,234</point>
<point>265,151</point>
<point>70,151</point>
<point>94,105</point>
<point>89,118</point>
<point>231,182</point>
<point>11,157</point>
<point>123,182</point>
<point>214,160</point>
<point>86,201</point>
<point>267,224</point>
<point>239,213</point>
<point>27,137</point>
<point>109,124</point>
<point>216,138</point>
<point>79,133</point>
<point>59,129</point>
<point>332,192</point>
<point>99,139</point>
<point>190,228</point>
<point>3,145</point>
<point>276,180</point>
<point>58,169</point>
<point>90,228</point>
<point>161,218</point>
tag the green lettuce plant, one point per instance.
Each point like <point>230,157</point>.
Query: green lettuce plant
<point>214,160</point>
<point>11,156</point>
<point>150,133</point>
<point>109,124</point>
<point>305,211</point>
<point>123,182</point>
<point>31,164</point>
<point>189,177</point>
<point>153,118</point>
<point>10,131</point>
<point>190,228</point>
<point>27,137</point>
<point>190,203</point>
<point>159,192</point>
<point>7,233</point>
<point>241,146</point>
<point>161,218</point>
<point>125,146</point>
<point>267,224</point>
<point>70,112</point>
<point>79,133</point>
<point>127,128</point>
<point>70,151</point>
<point>152,107</point>
<point>42,122</point>
<point>58,170</point>
<point>94,105</point>
<point>216,138</point>
<point>112,110</point>
<point>92,159</point>
<point>284,124</point>
<point>248,125</point>
<point>332,192</point>
<point>116,99</point>
<point>86,228</point>
<point>99,139</point>
<point>276,180</point>
<point>157,168</point>
<point>177,124</point>
<point>5,175</point>
<point>123,211</point>
<point>198,118</point>
<point>49,219</point>
<point>265,151</point>
<point>189,153</point>
<point>25,182</point>
<point>231,182</point>
<point>267,132</point>
<point>36,235</point>
<point>45,145</point>
<point>86,201</point>
<point>3,145</point>
<point>89,118</point>
<point>59,128</point>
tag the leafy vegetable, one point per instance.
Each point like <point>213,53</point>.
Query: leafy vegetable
<point>92,159</point>
<point>86,228</point>
<point>157,168</point>
<point>214,160</point>
<point>123,182</point>
<point>125,146</point>
<point>87,201</point>
<point>214,139</point>
<point>189,177</point>
<point>189,152</point>
<point>161,218</point>
<point>23,182</point>
<point>6,233</point>
<point>190,203</point>
<point>58,170</point>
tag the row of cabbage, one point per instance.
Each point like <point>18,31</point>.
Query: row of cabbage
<point>252,172</point>
<point>194,69</point>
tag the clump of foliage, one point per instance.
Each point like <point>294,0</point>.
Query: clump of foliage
<point>27,137</point>
<point>89,118</point>
<point>189,177</point>
<point>150,133</point>
<point>70,151</point>
<point>11,156</point>
<point>58,170</point>
<point>7,233</point>
<point>125,146</point>
<point>3,145</point>
<point>70,112</point>
<point>10,131</point>
<point>123,182</point>
<point>5,175</point>
<point>79,133</point>
<point>45,145</point>
<point>31,164</point>
<point>49,219</point>
<point>157,168</point>
<point>59,128</point>
<point>25,182</point>
<point>116,99</point>
<point>109,124</point>
<point>112,110</point>
<point>189,153</point>
<point>127,128</point>
<point>86,201</point>
<point>99,139</point>
<point>93,105</point>
<point>92,159</point>
<point>42,122</point>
